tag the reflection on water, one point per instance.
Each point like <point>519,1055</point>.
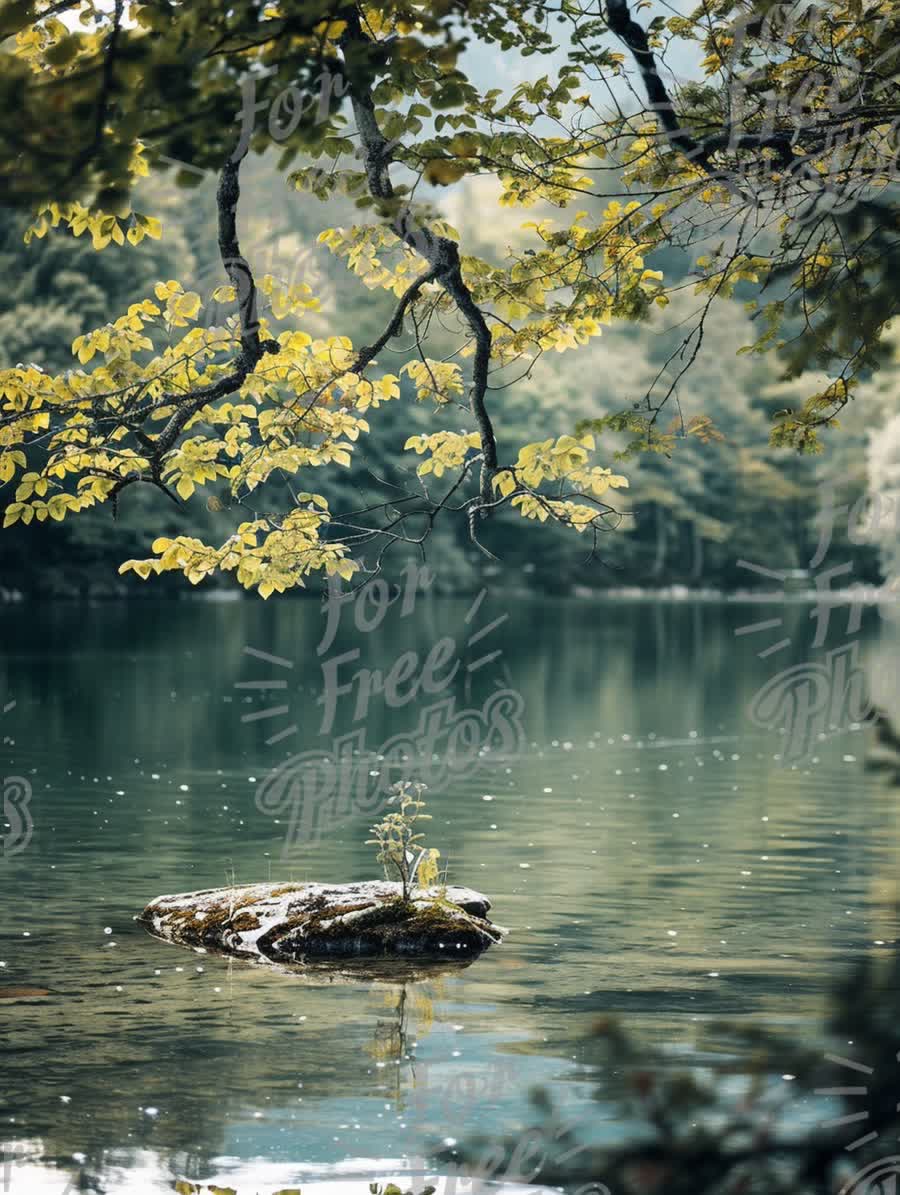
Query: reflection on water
<point>649,854</point>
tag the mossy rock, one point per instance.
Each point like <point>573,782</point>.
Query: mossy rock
<point>293,923</point>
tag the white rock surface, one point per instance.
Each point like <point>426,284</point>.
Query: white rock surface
<point>294,922</point>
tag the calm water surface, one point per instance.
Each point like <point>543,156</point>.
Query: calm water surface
<point>648,853</point>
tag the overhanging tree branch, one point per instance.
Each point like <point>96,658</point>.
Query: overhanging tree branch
<point>252,347</point>
<point>634,36</point>
<point>441,253</point>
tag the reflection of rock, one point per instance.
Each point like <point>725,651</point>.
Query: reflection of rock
<point>884,756</point>
<point>885,732</point>
<point>294,923</point>
<point>385,971</point>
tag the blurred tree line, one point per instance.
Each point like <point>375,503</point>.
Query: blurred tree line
<point>689,518</point>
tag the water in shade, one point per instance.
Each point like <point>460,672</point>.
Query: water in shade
<point>649,854</point>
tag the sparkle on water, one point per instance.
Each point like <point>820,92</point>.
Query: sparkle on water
<point>649,854</point>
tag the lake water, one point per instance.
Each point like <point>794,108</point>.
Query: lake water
<point>650,855</point>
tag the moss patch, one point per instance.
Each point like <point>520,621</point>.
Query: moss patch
<point>435,930</point>
<point>300,922</point>
<point>244,922</point>
<point>184,925</point>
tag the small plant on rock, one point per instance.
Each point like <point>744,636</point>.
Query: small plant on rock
<point>399,845</point>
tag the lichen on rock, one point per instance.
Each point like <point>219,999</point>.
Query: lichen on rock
<point>290,923</point>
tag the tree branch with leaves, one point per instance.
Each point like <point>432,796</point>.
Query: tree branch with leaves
<point>738,169</point>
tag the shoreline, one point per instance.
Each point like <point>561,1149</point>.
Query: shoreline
<point>865,595</point>
<point>861,594</point>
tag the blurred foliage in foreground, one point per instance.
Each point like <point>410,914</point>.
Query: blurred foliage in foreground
<point>779,1116</point>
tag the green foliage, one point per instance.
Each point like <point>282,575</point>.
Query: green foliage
<point>399,845</point>
<point>732,1122</point>
<point>393,1189</point>
<point>173,393</point>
